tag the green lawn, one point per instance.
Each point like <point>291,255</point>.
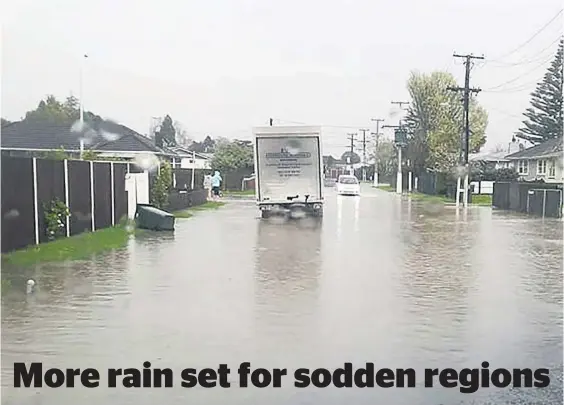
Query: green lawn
<point>482,200</point>
<point>188,213</point>
<point>73,248</point>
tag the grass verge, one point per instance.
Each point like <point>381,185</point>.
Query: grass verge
<point>188,213</point>
<point>477,199</point>
<point>482,200</point>
<point>429,198</point>
<point>73,248</point>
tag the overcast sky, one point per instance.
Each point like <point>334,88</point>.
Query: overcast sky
<point>222,66</point>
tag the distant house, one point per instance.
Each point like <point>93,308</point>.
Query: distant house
<point>109,139</point>
<point>187,159</point>
<point>334,167</point>
<point>540,162</point>
<point>498,159</point>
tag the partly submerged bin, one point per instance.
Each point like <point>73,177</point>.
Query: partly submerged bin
<point>150,217</point>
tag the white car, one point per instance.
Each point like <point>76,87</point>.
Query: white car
<point>348,185</point>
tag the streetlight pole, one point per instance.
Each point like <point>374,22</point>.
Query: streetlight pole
<point>81,90</point>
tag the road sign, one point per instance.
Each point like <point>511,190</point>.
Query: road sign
<point>400,136</point>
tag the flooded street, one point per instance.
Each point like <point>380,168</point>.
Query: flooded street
<point>385,280</point>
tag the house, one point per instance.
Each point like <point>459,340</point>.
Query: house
<point>498,160</point>
<point>540,162</point>
<point>109,139</point>
<point>334,167</point>
<point>187,159</point>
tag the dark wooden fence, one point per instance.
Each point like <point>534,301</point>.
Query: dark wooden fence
<point>93,191</point>
<point>234,179</point>
<point>182,178</point>
<point>533,198</point>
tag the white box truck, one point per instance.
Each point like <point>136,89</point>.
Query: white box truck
<point>289,171</point>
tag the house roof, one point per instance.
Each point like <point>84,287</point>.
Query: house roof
<point>550,148</point>
<point>183,151</point>
<point>499,156</point>
<point>97,135</point>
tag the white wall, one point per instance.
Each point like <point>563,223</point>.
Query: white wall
<point>186,163</point>
<point>137,188</point>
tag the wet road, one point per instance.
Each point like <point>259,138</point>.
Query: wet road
<point>383,280</point>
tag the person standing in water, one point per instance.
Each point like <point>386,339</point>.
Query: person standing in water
<point>216,184</point>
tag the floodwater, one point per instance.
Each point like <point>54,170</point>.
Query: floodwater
<point>383,280</point>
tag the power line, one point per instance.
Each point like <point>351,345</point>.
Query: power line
<point>319,125</point>
<point>535,58</point>
<point>530,39</point>
<point>521,75</point>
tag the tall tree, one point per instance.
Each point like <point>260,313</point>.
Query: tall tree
<point>435,122</point>
<point>233,155</point>
<point>544,117</point>
<point>208,145</point>
<point>53,110</point>
<point>166,135</point>
<point>5,121</point>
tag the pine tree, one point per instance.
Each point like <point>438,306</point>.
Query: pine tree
<point>166,135</point>
<point>544,117</point>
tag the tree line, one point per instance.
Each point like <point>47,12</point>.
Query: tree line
<point>434,120</point>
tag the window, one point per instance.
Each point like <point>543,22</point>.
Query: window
<point>175,163</point>
<point>541,167</point>
<point>523,167</point>
<point>551,169</point>
<point>348,180</point>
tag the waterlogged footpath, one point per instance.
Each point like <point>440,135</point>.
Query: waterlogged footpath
<point>396,283</point>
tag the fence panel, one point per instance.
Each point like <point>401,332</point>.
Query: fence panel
<point>553,204</point>
<point>183,178</point>
<point>18,214</point>
<point>500,197</point>
<point>102,195</point>
<point>535,202</point>
<point>79,196</point>
<point>50,186</point>
<point>233,180</point>
<point>120,195</point>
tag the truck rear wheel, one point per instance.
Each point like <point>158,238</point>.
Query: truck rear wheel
<point>265,214</point>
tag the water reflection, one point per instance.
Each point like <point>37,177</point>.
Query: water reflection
<point>287,271</point>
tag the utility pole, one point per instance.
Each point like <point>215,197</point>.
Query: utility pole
<point>399,183</point>
<point>376,157</point>
<point>364,131</point>
<point>399,177</point>
<point>352,137</point>
<point>466,90</point>
<point>400,103</point>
